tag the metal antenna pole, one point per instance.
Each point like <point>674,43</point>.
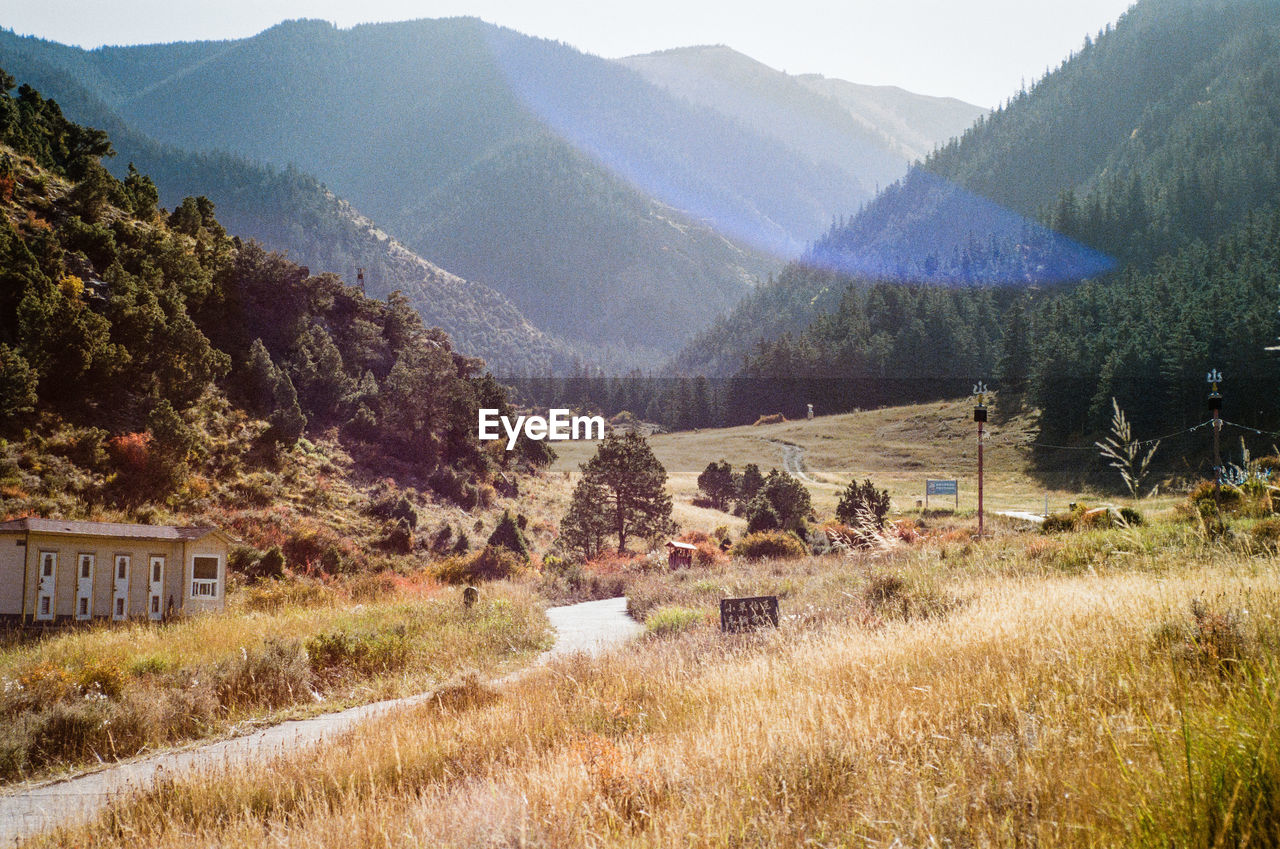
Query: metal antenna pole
<point>1215,406</point>
<point>980,416</point>
<point>980,512</point>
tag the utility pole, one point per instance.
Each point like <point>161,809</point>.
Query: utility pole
<point>980,416</point>
<point>1215,406</point>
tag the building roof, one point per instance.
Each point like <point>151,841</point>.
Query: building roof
<point>684,545</point>
<point>117,530</point>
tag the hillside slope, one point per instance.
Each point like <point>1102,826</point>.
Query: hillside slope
<point>181,356</point>
<point>406,120</point>
<point>1161,131</point>
<point>916,123</point>
<point>290,211</point>
<point>872,135</point>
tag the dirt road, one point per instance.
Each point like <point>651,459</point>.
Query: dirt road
<point>592,627</point>
<point>793,460</point>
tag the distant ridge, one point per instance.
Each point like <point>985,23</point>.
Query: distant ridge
<point>872,133</point>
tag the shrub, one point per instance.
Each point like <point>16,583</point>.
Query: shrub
<point>1062,522</point>
<point>315,547</point>
<point>397,537</point>
<point>1130,516</point>
<point>863,504</point>
<point>672,619</point>
<point>761,516</point>
<point>101,678</point>
<point>889,596</point>
<point>771,545</point>
<point>1266,534</point>
<point>488,564</point>
<point>708,554</point>
<point>440,539</point>
<point>447,483</point>
<point>395,507</point>
<point>1225,498</point>
<point>338,653</point>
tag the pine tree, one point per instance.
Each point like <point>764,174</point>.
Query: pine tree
<point>509,536</point>
<point>586,526</point>
<point>625,485</point>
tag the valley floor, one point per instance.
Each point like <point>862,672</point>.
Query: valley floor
<point>1103,687</point>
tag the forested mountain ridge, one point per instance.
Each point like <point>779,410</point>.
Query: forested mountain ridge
<point>290,211</point>
<point>1162,130</point>
<point>166,346</point>
<point>403,120</point>
<point>1159,130</point>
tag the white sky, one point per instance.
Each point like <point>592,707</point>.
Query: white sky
<point>977,50</point>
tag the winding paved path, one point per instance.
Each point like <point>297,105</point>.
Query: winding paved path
<point>592,627</point>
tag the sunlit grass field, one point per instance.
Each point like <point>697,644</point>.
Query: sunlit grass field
<point>896,447</point>
<point>1104,688</point>
<point>82,696</point>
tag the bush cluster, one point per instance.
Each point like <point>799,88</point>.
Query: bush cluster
<point>491,563</point>
<point>772,545</point>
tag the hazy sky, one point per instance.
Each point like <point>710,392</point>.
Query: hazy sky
<point>977,50</point>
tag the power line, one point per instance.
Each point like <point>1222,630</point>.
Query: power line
<point>1252,429</point>
<point>1094,447</point>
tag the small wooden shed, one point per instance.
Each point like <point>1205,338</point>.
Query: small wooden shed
<point>680,554</point>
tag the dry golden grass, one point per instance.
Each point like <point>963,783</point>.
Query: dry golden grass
<point>1088,709</point>
<point>159,684</point>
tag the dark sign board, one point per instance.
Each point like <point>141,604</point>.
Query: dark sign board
<point>747,614</point>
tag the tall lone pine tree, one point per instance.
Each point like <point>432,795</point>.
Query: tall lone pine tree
<point>627,487</point>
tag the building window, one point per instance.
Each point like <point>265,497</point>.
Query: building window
<point>47,562</point>
<point>204,577</point>
<point>84,607</point>
<point>156,567</point>
<point>86,566</point>
<point>119,607</point>
<point>122,568</point>
<point>155,604</point>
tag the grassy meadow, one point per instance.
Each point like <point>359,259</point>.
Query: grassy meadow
<point>897,448</point>
<point>1105,684</point>
<point>282,650</point>
<point>1108,687</point>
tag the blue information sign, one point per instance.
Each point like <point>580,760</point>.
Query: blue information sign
<point>941,487</point>
<point>933,487</point>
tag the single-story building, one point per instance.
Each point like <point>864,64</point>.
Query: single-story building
<point>680,554</point>
<point>53,569</point>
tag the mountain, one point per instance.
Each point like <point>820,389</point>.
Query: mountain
<point>1159,132</point>
<point>290,211</point>
<point>914,123</point>
<point>408,121</point>
<point>871,133</point>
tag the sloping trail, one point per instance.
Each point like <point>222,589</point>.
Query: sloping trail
<point>592,627</point>
<point>793,460</point>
